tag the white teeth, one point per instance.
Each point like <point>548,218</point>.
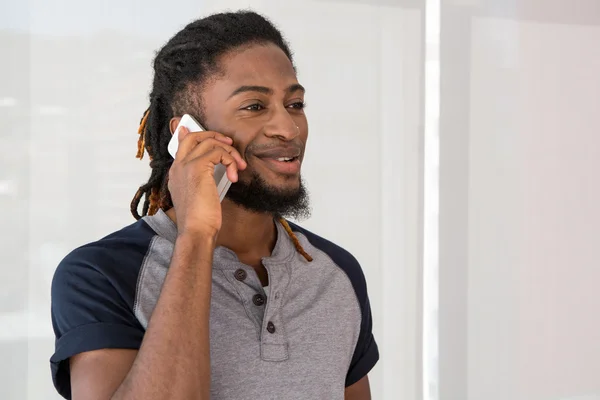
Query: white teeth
<point>284,158</point>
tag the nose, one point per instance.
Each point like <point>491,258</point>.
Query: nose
<point>281,125</point>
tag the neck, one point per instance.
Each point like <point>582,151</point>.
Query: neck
<point>248,234</point>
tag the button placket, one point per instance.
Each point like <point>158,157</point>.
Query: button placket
<point>245,290</point>
<point>274,345</point>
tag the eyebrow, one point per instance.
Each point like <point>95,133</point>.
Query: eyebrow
<point>296,87</point>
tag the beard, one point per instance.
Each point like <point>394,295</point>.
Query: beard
<point>260,197</point>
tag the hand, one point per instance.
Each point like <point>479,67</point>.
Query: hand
<point>192,184</point>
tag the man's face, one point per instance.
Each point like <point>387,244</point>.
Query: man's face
<point>258,102</point>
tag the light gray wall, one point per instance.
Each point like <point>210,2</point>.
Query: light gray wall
<point>71,97</point>
<point>519,195</point>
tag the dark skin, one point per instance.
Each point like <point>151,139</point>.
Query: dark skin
<point>268,115</point>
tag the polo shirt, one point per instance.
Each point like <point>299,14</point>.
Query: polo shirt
<point>309,338</point>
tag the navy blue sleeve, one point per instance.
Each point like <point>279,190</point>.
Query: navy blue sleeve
<point>92,296</point>
<point>366,353</point>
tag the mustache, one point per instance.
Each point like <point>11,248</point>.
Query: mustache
<point>295,149</point>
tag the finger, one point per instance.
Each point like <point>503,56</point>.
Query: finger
<point>199,136</point>
<point>182,132</point>
<point>219,155</point>
<point>211,143</point>
<point>188,140</point>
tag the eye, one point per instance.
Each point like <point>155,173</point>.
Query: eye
<point>300,105</point>
<point>254,107</point>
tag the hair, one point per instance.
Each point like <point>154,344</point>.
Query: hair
<point>184,64</point>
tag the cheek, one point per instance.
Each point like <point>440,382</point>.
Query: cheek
<point>240,140</point>
<point>243,138</point>
<point>302,123</point>
<point>243,148</point>
<point>304,134</point>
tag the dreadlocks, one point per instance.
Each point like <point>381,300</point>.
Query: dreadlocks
<point>182,66</point>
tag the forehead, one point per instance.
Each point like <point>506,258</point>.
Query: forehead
<point>264,64</point>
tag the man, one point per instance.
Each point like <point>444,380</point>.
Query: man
<point>200,299</point>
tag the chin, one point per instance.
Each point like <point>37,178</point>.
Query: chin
<point>286,198</point>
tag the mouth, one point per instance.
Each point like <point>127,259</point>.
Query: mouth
<point>282,165</point>
<point>282,160</point>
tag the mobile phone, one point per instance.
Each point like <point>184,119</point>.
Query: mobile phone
<point>221,180</point>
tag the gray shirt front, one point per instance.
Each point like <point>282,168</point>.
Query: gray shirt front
<point>308,339</point>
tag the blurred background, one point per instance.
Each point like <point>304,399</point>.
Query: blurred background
<point>454,149</point>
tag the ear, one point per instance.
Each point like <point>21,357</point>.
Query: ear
<point>173,124</point>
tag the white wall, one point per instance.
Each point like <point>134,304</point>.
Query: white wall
<point>519,221</point>
<point>70,101</point>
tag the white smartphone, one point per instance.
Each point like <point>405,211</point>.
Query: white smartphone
<point>221,180</point>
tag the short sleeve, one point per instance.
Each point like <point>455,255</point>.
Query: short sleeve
<point>89,312</point>
<point>366,353</point>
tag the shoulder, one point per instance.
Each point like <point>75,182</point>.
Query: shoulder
<point>340,256</point>
<point>124,246</point>
<point>114,259</point>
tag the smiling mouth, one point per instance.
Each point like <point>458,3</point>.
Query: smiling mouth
<point>286,159</point>
<point>282,165</point>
